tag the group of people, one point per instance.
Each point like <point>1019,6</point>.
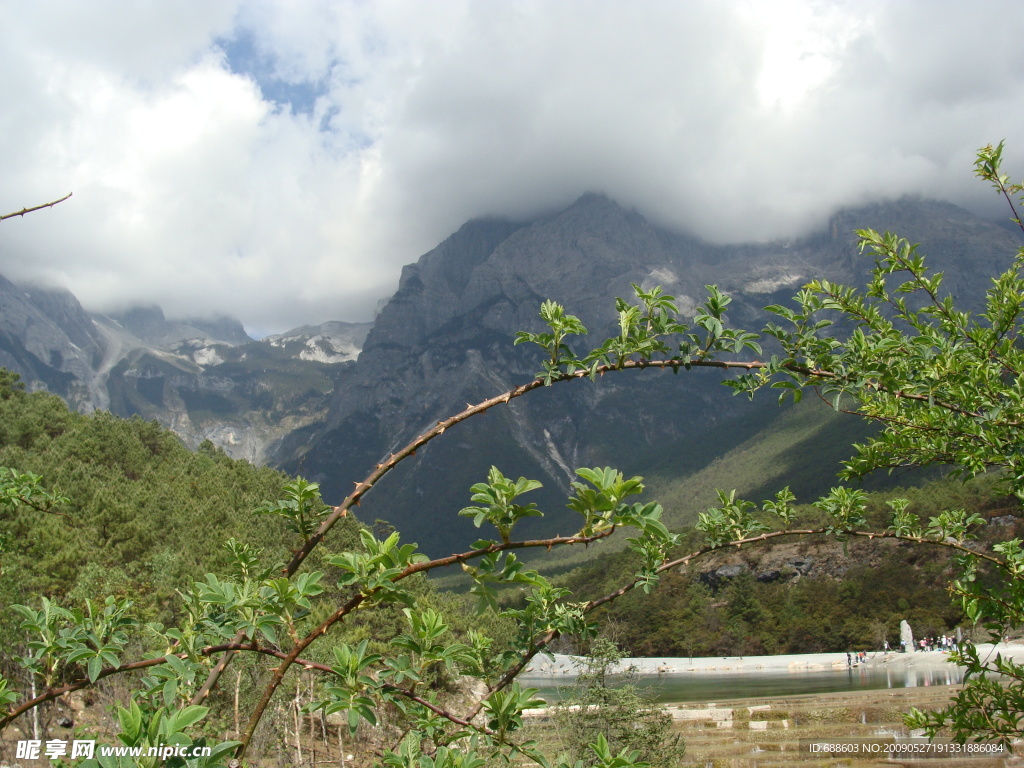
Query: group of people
<point>856,658</point>
<point>941,643</point>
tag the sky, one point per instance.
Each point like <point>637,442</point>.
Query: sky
<point>279,161</point>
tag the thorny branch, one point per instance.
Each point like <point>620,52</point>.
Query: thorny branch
<point>23,211</point>
<point>362,488</point>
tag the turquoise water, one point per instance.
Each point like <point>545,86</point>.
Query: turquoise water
<point>711,686</point>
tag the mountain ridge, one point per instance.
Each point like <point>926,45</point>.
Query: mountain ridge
<point>330,401</point>
<point>197,376</point>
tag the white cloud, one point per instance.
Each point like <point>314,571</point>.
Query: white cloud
<point>196,189</point>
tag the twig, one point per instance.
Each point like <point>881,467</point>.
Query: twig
<point>209,650</point>
<point>23,211</point>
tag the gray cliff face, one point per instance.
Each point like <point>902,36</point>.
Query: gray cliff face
<point>48,338</point>
<point>445,340</point>
<point>243,397</point>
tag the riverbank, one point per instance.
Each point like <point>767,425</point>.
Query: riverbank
<point>563,666</point>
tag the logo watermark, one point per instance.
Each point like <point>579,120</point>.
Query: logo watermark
<point>36,749</point>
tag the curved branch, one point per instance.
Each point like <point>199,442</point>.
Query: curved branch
<point>409,450</point>
<point>437,710</point>
<point>23,211</point>
<point>362,488</point>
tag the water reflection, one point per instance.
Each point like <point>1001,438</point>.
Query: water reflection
<point>709,686</point>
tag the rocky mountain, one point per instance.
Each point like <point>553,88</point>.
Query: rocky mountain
<point>331,401</point>
<point>445,339</point>
<point>242,397</point>
<point>204,378</point>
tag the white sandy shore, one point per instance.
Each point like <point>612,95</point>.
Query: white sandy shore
<point>567,666</point>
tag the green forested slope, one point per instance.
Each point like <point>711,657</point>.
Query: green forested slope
<point>147,517</point>
<point>801,446</point>
<point>145,514</point>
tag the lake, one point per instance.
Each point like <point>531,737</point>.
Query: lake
<point>712,686</point>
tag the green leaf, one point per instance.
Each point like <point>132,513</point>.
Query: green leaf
<point>95,667</point>
<point>189,716</point>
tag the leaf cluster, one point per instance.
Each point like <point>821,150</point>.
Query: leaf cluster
<point>649,329</point>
